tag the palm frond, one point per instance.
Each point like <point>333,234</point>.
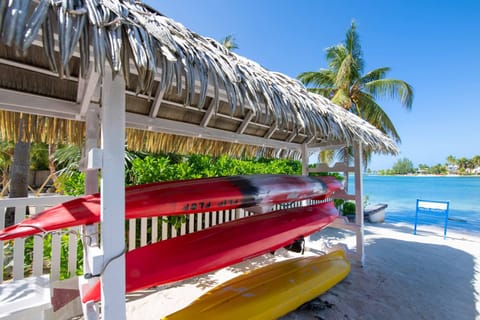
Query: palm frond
<point>352,43</point>
<point>375,115</point>
<point>375,74</point>
<point>391,88</point>
<point>335,55</point>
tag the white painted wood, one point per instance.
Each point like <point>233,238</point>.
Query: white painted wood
<point>200,221</point>
<point>72,251</point>
<point>19,246</point>
<point>191,223</point>
<point>25,102</point>
<point>88,88</point>
<point>164,230</point>
<point>239,213</point>
<point>34,201</point>
<point>113,197</point>
<point>174,231</point>
<point>359,202</point>
<point>90,232</point>
<point>37,263</point>
<point>332,145</point>
<point>18,101</point>
<point>143,230</point>
<point>157,101</point>
<point>207,220</point>
<point>154,229</point>
<point>56,257</point>
<point>214,219</point>
<point>305,160</point>
<point>190,130</point>
<point>35,69</point>
<point>37,258</point>
<point>208,115</point>
<point>220,216</point>
<point>183,229</point>
<point>246,121</point>
<point>132,234</point>
<point>270,132</point>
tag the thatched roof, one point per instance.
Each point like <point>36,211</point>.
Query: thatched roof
<point>185,92</point>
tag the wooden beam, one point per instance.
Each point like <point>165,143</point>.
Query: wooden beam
<point>86,89</point>
<point>208,115</point>
<point>190,130</point>
<point>270,132</point>
<point>291,136</point>
<point>327,145</point>
<point>30,103</point>
<point>34,69</point>
<point>246,122</point>
<point>157,101</point>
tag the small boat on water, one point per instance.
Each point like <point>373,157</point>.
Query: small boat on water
<point>375,213</point>
<point>372,213</point>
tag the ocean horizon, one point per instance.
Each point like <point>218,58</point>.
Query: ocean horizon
<point>402,192</point>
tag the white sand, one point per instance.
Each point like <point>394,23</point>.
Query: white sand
<point>406,276</point>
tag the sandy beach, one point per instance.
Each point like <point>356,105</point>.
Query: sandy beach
<point>405,276</point>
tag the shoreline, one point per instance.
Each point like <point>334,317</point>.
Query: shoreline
<point>424,175</point>
<point>405,276</point>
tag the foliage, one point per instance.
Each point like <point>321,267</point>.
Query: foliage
<point>348,207</point>
<point>346,84</point>
<point>39,156</point>
<point>403,166</point>
<point>229,42</point>
<point>462,166</point>
<point>47,252</point>
<point>72,183</point>
<point>67,159</point>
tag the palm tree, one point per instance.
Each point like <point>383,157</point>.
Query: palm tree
<point>345,84</point>
<point>229,42</point>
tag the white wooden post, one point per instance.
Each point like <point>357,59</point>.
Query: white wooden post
<point>359,201</point>
<point>113,197</point>
<point>304,159</point>
<point>91,186</point>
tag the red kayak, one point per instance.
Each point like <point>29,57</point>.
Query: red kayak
<point>181,197</point>
<point>219,246</point>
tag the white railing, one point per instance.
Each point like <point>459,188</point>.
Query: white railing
<point>61,258</point>
<point>12,252</point>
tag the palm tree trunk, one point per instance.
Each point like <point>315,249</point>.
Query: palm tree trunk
<point>18,175</point>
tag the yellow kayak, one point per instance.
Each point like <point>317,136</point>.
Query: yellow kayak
<point>269,292</point>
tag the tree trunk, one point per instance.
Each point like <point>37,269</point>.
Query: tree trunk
<point>18,175</point>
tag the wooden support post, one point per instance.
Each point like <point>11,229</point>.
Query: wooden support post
<point>89,232</point>
<point>358,152</point>
<point>304,159</point>
<point>113,197</point>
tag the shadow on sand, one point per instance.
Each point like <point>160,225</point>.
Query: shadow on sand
<point>402,280</point>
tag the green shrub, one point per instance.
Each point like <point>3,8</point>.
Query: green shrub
<point>348,207</point>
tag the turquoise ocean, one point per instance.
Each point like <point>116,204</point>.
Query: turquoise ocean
<point>401,193</point>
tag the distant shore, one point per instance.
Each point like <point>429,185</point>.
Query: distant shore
<point>423,175</point>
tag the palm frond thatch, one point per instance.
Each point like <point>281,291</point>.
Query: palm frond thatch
<point>167,56</point>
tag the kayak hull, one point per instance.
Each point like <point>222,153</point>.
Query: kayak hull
<point>269,292</point>
<point>180,197</point>
<point>219,246</point>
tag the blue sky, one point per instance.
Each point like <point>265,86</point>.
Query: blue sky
<point>432,44</point>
